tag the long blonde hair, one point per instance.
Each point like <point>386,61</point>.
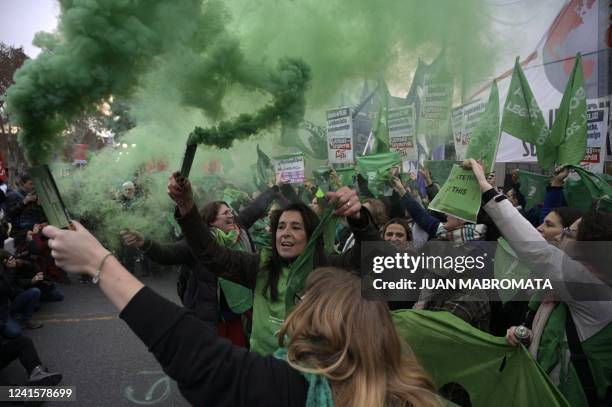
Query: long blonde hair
<point>352,341</point>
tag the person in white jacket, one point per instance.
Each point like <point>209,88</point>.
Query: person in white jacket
<point>592,318</point>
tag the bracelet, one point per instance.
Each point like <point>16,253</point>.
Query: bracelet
<point>96,276</point>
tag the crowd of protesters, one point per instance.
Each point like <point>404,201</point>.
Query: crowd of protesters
<point>28,277</point>
<point>299,333</point>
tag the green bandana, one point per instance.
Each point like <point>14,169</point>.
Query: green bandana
<point>319,390</point>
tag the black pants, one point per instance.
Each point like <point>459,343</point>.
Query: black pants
<point>20,347</point>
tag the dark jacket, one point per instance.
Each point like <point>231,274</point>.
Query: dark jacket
<point>201,293</point>
<point>8,291</point>
<point>210,370</point>
<point>243,267</point>
<point>23,216</point>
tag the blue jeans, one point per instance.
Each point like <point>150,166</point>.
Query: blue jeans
<point>10,329</point>
<point>25,303</point>
<point>52,293</point>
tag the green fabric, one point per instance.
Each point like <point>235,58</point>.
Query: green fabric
<point>265,173</point>
<point>523,119</point>
<point>234,197</point>
<point>321,177</point>
<point>553,350</point>
<point>440,169</point>
<point>434,120</point>
<point>590,187</point>
<point>319,391</point>
<point>239,298</point>
<point>381,130</point>
<point>304,264</point>
<point>533,187</point>
<point>346,175</point>
<point>577,194</point>
<point>493,372</point>
<point>460,195</point>
<point>259,235</point>
<point>508,266</point>
<point>598,348</point>
<point>268,316</point>
<point>485,137</point>
<point>375,169</point>
<point>569,131</point>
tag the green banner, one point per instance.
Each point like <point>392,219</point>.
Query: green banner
<point>460,196</point>
<point>381,131</point>
<point>491,371</point>
<point>346,176</point>
<point>440,169</point>
<point>523,119</point>
<point>533,187</point>
<point>569,132</point>
<point>375,169</point>
<point>435,105</point>
<point>590,187</point>
<point>485,138</point>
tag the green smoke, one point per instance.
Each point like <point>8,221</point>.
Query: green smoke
<point>241,70</point>
<point>287,86</point>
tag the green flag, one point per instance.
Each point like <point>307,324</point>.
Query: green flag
<point>491,371</point>
<point>440,169</point>
<point>234,197</point>
<point>460,195</point>
<point>533,187</point>
<point>523,119</point>
<point>569,132</point>
<point>381,131</point>
<point>321,177</point>
<point>485,138</point>
<point>260,234</point>
<point>435,106</point>
<point>265,173</point>
<point>508,266</point>
<point>346,176</point>
<point>375,169</point>
<point>590,187</point>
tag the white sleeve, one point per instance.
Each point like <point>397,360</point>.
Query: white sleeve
<point>551,262</point>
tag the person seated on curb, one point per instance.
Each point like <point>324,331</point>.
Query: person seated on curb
<point>27,275</point>
<point>341,349</point>
<point>16,306</point>
<point>22,348</point>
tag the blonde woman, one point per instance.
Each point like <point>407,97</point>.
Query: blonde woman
<point>342,350</point>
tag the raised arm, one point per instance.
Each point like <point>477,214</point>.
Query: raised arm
<point>554,194</point>
<point>257,209</point>
<point>238,266</point>
<point>421,217</point>
<point>208,369</point>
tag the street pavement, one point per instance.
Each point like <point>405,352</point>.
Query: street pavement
<point>84,339</point>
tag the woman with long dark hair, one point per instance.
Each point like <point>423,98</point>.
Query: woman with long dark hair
<point>272,274</point>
